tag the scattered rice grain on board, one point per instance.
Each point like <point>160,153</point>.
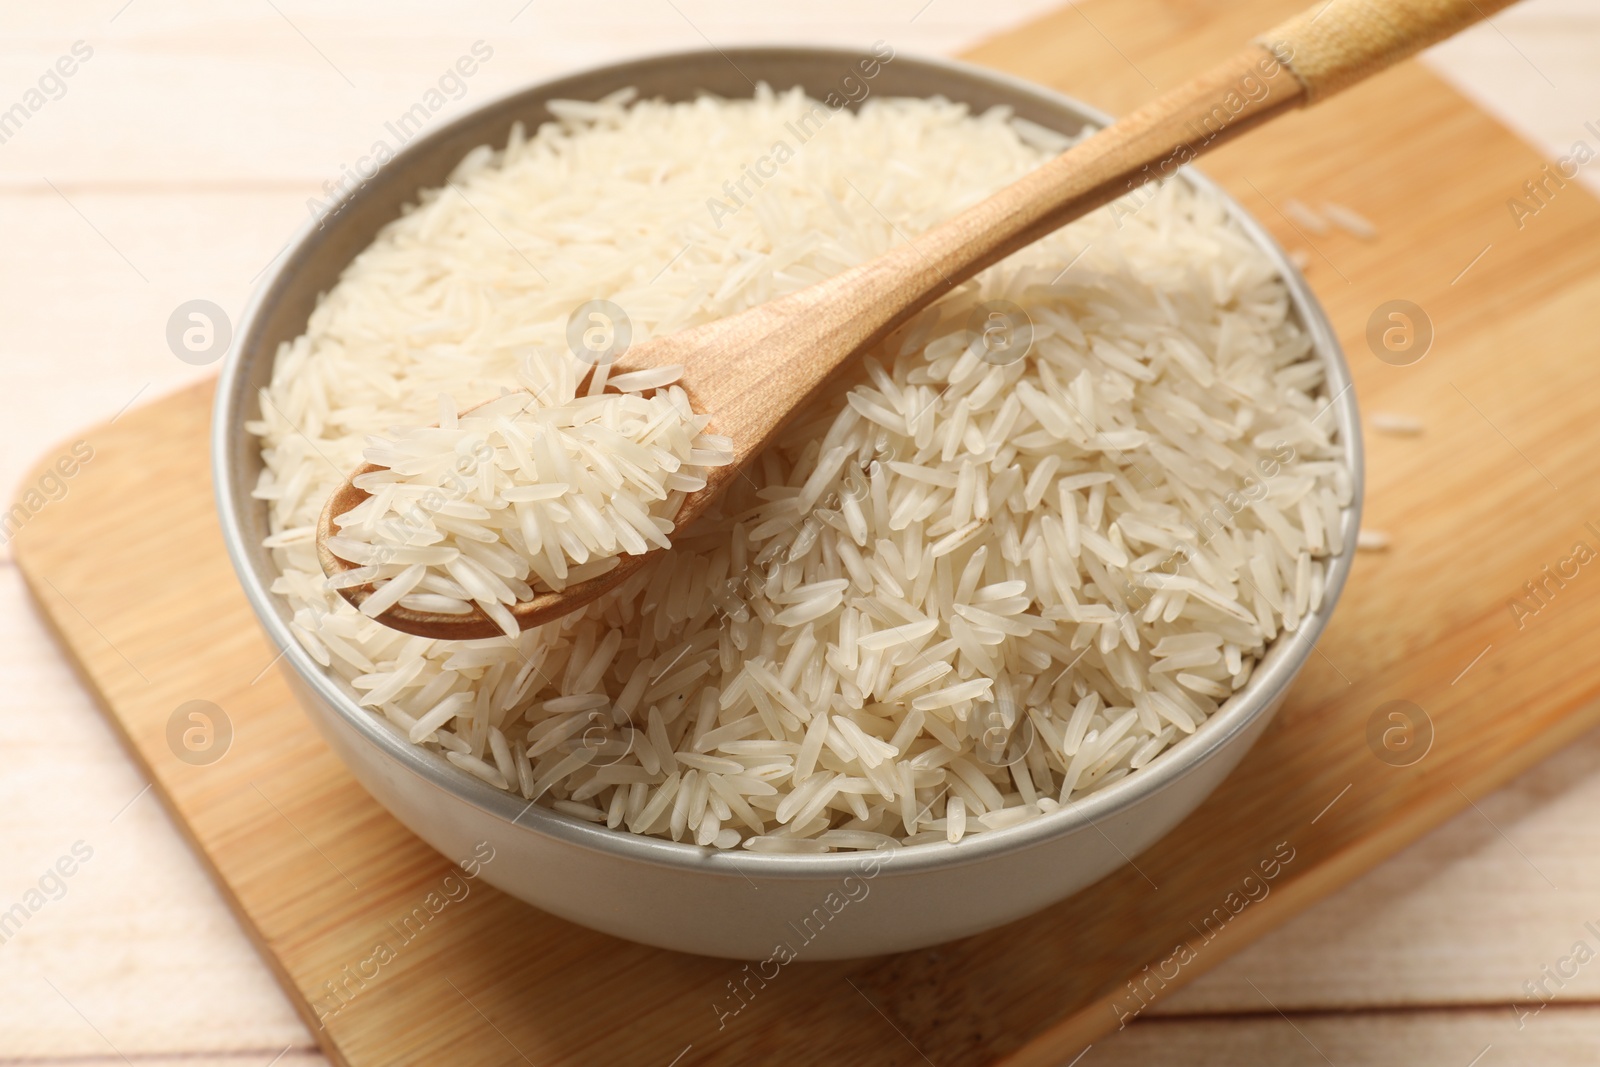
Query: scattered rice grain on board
<point>1399,425</point>
<point>1305,216</point>
<point>1372,540</point>
<point>1349,220</point>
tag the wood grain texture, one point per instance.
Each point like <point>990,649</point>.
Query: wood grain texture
<point>1463,917</point>
<point>279,821</point>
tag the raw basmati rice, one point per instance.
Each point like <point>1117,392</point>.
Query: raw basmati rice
<point>1305,216</point>
<point>1349,220</point>
<point>534,491</point>
<point>958,593</point>
<point>1399,425</point>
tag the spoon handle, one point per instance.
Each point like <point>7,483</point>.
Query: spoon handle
<point>756,367</point>
<point>1332,45</point>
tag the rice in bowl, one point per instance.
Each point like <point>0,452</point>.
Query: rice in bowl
<point>961,592</point>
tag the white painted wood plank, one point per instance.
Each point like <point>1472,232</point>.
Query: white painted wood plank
<point>288,1056</point>
<point>1464,1038</point>
<point>190,141</point>
<point>205,92</point>
<point>136,943</point>
<point>1533,66</point>
<point>89,335</point>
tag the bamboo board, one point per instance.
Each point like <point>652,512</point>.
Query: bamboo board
<point>128,568</point>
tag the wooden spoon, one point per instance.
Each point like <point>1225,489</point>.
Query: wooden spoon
<point>751,370</point>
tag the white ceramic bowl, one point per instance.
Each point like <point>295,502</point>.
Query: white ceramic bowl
<point>678,896</point>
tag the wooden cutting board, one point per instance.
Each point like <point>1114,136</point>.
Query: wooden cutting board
<point>129,570</point>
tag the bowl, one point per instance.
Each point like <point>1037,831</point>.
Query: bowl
<point>736,904</point>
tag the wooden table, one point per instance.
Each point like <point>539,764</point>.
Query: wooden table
<point>172,165</point>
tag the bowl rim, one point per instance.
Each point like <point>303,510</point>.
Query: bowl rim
<point>1269,681</point>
